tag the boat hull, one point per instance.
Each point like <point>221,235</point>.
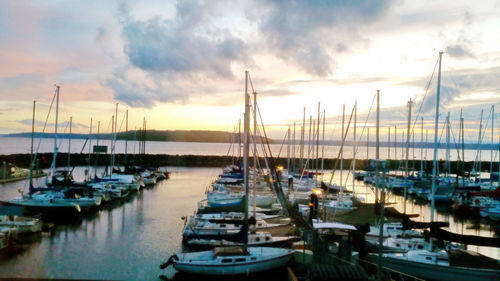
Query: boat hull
<point>439,272</point>
<point>48,211</point>
<point>234,268</point>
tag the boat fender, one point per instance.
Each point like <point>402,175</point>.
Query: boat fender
<point>169,262</point>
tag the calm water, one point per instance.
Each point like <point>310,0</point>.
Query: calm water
<point>127,242</point>
<point>130,240</point>
<point>22,145</point>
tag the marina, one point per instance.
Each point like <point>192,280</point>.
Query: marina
<point>250,219</point>
<point>261,140</point>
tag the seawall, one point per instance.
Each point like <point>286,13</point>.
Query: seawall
<point>44,160</point>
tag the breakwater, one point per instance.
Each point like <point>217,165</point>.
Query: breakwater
<point>80,159</point>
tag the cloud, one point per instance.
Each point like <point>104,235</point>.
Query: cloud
<point>459,51</point>
<point>447,94</point>
<point>163,46</point>
<point>312,33</point>
<point>457,85</point>
<point>20,80</point>
<point>461,47</point>
<point>74,125</point>
<point>138,92</point>
<point>277,93</point>
<point>174,54</point>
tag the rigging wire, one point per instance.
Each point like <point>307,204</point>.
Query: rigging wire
<point>43,131</point>
<point>425,94</point>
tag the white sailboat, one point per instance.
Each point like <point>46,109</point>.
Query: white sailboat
<point>52,202</point>
<point>233,260</point>
<point>441,265</point>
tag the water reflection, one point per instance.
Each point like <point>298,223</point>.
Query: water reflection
<point>128,240</point>
<point>124,240</point>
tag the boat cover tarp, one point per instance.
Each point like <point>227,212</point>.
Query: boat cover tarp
<point>238,175</point>
<point>251,221</point>
<point>409,224</point>
<point>465,258</point>
<point>33,189</point>
<point>493,193</point>
<point>437,232</point>
<point>98,179</point>
<point>238,207</point>
<point>229,251</point>
<point>465,239</point>
<point>66,183</point>
<point>239,237</point>
<point>393,213</point>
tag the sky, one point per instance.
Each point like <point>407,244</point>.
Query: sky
<point>181,64</point>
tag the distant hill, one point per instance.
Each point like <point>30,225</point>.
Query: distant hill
<point>151,135</point>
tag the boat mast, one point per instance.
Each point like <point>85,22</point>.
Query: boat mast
<point>479,141</point>
<point>55,131</point>
<point>69,142</point>
<point>422,148</point>
<point>492,136</point>
<point>115,137</point>
<point>255,154</point>
<point>389,144</point>
<point>30,175</point>
<point>308,146</point>
<point>380,184</point>
<point>317,139</point>
<point>461,164</point>
<point>97,144</point>
<point>434,159</point>
<point>407,154</point>
<point>323,146</point>
<point>402,147</point>
<point>126,136</point>
<point>413,150</point>
<point>395,143</point>
<point>368,144</point>
<point>302,143</point>
<point>288,149</point>
<point>246,125</point>
<point>239,140</point>
<point>377,147</point>
<point>448,145</point>
<point>354,146</point>
<point>293,149</point>
<point>312,140</point>
<point>341,185</point>
<point>90,150</point>
<point>111,145</point>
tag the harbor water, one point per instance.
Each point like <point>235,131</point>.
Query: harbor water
<point>12,145</point>
<point>129,241</point>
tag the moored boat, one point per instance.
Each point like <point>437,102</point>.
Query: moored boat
<point>457,265</point>
<point>231,260</point>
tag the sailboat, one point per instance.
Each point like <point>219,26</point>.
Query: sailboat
<point>238,259</point>
<point>443,265</point>
<point>48,201</point>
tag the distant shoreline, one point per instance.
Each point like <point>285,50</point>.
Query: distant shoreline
<point>150,135</point>
<point>225,137</point>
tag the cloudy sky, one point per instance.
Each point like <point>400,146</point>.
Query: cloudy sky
<point>181,64</point>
